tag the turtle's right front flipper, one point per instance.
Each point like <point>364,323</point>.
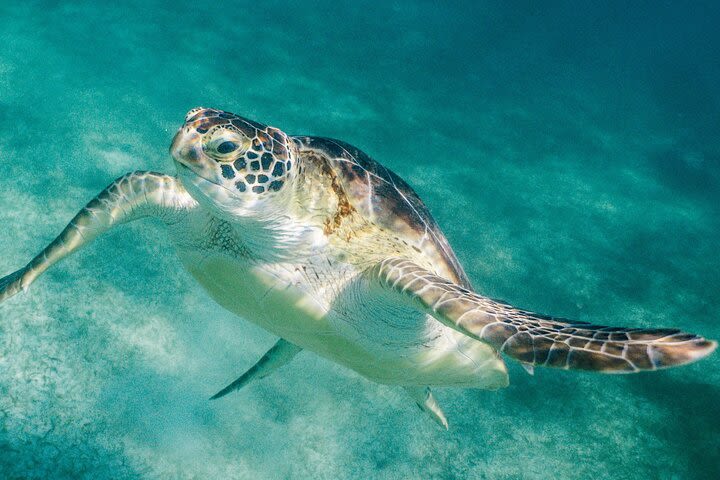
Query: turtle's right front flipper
<point>132,196</point>
<point>537,339</point>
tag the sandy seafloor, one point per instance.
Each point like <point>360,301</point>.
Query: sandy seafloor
<point>570,151</point>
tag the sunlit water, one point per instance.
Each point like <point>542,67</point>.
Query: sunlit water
<point>571,154</point>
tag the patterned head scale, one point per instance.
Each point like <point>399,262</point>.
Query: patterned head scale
<point>239,154</point>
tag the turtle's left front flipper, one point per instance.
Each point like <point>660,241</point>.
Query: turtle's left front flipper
<point>537,339</point>
<point>132,196</point>
<point>280,354</point>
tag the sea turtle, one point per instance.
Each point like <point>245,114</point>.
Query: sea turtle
<point>314,241</point>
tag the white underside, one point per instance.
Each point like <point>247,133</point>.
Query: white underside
<point>304,293</point>
<point>339,318</point>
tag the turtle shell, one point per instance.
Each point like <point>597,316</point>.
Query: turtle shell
<point>383,197</point>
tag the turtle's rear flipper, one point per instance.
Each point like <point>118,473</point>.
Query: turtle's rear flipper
<point>536,339</point>
<point>426,401</point>
<point>132,196</point>
<point>280,354</point>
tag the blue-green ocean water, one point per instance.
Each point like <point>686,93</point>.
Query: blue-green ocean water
<point>570,151</point>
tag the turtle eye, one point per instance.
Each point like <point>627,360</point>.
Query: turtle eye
<point>225,145</point>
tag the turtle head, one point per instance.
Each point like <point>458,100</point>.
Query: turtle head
<point>238,164</point>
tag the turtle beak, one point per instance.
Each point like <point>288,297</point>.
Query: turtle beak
<point>185,145</point>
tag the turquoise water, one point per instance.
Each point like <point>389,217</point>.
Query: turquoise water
<point>570,152</point>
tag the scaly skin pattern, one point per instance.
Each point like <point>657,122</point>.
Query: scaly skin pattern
<point>539,339</point>
<point>134,195</point>
<point>315,242</point>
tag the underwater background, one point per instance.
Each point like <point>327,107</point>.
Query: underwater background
<point>569,150</point>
